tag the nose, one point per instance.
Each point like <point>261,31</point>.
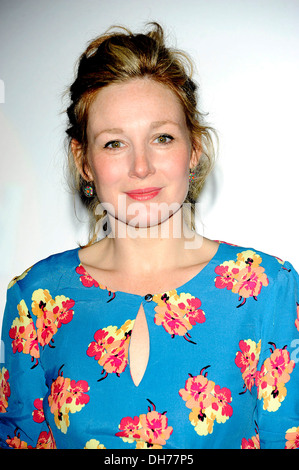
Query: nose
<point>141,165</point>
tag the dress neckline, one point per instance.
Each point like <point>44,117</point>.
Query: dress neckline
<point>182,286</point>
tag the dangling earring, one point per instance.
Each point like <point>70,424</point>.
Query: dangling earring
<point>88,190</point>
<point>191,175</point>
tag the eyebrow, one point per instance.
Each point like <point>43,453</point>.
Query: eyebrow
<point>118,130</point>
<point>156,124</point>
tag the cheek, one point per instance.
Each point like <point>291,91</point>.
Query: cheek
<point>106,174</point>
<point>178,169</point>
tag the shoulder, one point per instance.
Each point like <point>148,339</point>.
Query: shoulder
<point>55,269</point>
<point>258,261</point>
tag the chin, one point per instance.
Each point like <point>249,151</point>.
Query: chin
<point>138,215</point>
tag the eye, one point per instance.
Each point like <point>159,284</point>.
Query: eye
<point>113,144</point>
<point>164,139</point>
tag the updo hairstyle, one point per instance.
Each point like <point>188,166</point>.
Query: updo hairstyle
<point>117,57</point>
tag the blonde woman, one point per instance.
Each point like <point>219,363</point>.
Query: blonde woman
<point>150,336</point>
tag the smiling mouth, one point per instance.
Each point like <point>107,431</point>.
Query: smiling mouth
<point>143,194</point>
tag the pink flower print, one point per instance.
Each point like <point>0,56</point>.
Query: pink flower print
<point>197,392</point>
<point>24,335</point>
<point>171,318</point>
<point>59,393</point>
<point>16,442</point>
<point>178,313</point>
<point>88,281</point>
<point>102,342</point>
<point>4,390</point>
<point>221,404</point>
<point>77,396</point>
<point>64,313</point>
<point>297,319</point>
<point>46,328</point>
<point>67,396</point>
<point>249,282</point>
<point>192,311</point>
<point>129,428</point>
<point>292,438</point>
<point>116,358</point>
<point>154,428</point>
<point>207,401</point>
<point>46,440</point>
<point>51,314</point>
<point>243,358</point>
<point>271,379</point>
<point>110,348</point>
<point>149,430</point>
<point>244,276</point>
<point>260,378</point>
<point>253,443</point>
<point>85,278</point>
<point>226,276</point>
<point>16,334</point>
<point>247,360</point>
<point>31,344</point>
<point>279,366</point>
<point>38,413</point>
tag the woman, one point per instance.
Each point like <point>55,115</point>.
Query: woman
<point>152,336</point>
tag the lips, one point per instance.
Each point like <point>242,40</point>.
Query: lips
<point>143,194</point>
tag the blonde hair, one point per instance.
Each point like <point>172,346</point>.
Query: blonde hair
<point>118,56</point>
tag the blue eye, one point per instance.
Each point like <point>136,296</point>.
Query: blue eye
<point>164,139</point>
<point>113,144</point>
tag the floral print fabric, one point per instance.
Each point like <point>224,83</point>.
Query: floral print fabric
<point>222,373</point>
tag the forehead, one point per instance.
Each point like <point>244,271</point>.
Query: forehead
<point>142,97</point>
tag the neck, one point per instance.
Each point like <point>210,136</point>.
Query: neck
<point>161,247</point>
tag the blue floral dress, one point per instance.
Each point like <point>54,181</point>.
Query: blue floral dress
<point>223,366</point>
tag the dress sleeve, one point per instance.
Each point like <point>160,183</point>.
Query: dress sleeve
<point>277,379</point>
<point>22,379</point>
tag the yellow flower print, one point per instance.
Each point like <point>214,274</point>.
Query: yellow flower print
<point>18,278</point>
<point>94,444</point>
<point>111,347</point>
<point>202,420</point>
<point>208,402</point>
<point>178,313</point>
<point>4,390</point>
<point>51,314</point>
<point>248,257</point>
<point>124,330</point>
<point>171,295</point>
<point>292,438</point>
<point>272,399</point>
<point>244,277</point>
<point>23,334</point>
<point>67,396</point>
<point>149,430</point>
<point>271,379</point>
<point>247,359</point>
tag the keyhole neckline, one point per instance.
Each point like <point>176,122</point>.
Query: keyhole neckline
<point>195,277</point>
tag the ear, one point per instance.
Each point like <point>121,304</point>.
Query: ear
<point>80,161</point>
<point>195,154</point>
